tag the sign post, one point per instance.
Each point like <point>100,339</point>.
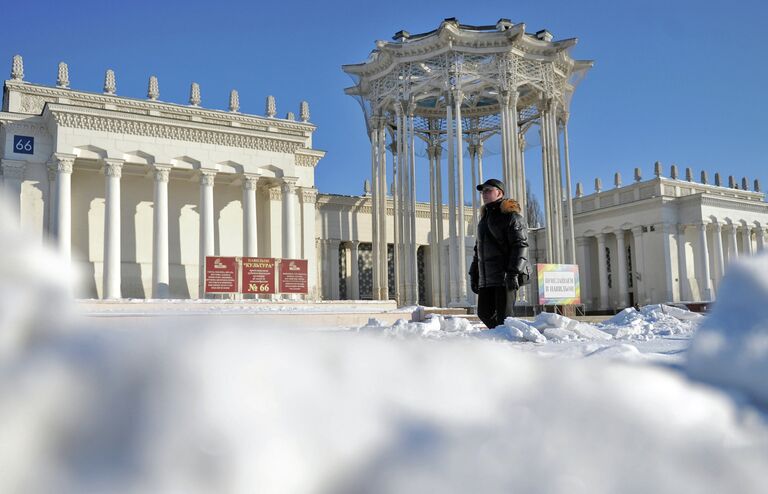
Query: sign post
<point>559,285</point>
<point>220,274</point>
<point>293,276</point>
<point>258,275</point>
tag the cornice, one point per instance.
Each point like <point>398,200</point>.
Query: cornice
<point>152,126</point>
<point>308,157</point>
<point>37,96</point>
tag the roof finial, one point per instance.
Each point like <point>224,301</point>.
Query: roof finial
<point>638,175</point>
<point>689,174</point>
<point>304,111</point>
<point>63,78</point>
<point>757,185</point>
<point>194,94</point>
<point>731,182</point>
<point>673,172</point>
<point>598,185</point>
<point>718,181</point>
<point>271,109</point>
<point>657,168</point>
<point>290,116</point>
<point>579,190</point>
<point>744,183</point>
<point>17,68</point>
<point>367,187</point>
<point>154,88</point>
<point>704,178</point>
<point>234,101</point>
<point>110,84</point>
<point>617,179</point>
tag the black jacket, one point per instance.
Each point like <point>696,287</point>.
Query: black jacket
<point>501,246</point>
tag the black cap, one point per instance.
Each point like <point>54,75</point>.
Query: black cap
<point>491,182</point>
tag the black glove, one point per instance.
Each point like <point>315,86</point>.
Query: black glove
<point>511,281</point>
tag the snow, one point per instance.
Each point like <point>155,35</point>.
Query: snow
<point>550,405</point>
<point>731,347</point>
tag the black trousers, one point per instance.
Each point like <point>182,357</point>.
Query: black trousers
<point>494,304</point>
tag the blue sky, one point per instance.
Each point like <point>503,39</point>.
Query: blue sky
<point>681,82</point>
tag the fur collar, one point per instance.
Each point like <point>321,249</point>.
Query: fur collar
<point>506,206</point>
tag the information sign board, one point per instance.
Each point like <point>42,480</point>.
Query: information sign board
<point>558,284</point>
<point>220,274</point>
<point>258,275</point>
<point>293,276</point>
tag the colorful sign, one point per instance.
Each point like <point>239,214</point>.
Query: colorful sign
<point>558,284</point>
<point>258,275</point>
<point>293,276</point>
<point>220,274</point>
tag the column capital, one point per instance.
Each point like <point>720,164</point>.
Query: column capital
<point>288,185</point>
<point>207,176</point>
<point>250,181</point>
<point>600,237</point>
<point>308,195</point>
<point>701,226</point>
<point>582,241</point>
<point>682,227</point>
<point>637,230</point>
<point>717,226</point>
<point>113,167</point>
<point>162,172</point>
<point>63,162</point>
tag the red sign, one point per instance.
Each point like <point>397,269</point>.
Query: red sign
<point>258,275</point>
<point>293,276</point>
<point>220,274</point>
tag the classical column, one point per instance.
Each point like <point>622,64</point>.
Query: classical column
<point>571,251</point>
<point>746,240</point>
<point>506,173</point>
<point>667,230</point>
<point>112,260</point>
<point>545,167</point>
<point>452,247</point>
<point>412,247</point>
<point>704,274</point>
<point>375,223</point>
<point>308,196</point>
<point>585,274</point>
<point>250,238</point>
<point>13,176</point>
<point>384,254</point>
<point>717,235</point>
<point>333,275</point>
<point>289,217</point>
<point>682,265</point>
<point>160,264</point>
<point>64,164</point>
<point>602,268</point>
<point>354,272</point>
<point>440,224</point>
<point>207,241</point>
<point>639,265</point>
<point>472,154</point>
<point>462,257</point>
<point>621,262</point>
<point>760,233</point>
<point>50,205</point>
<point>733,246</point>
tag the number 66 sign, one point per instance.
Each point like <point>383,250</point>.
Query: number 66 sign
<point>23,145</point>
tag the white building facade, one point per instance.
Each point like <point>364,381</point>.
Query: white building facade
<point>137,192</point>
<point>660,240</point>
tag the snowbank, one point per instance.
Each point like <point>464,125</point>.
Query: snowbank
<point>731,347</point>
<point>650,322</point>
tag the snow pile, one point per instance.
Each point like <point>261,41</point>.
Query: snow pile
<point>29,274</point>
<point>200,410</point>
<point>731,347</point>
<point>651,321</point>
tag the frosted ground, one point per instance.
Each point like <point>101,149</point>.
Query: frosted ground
<point>652,401</point>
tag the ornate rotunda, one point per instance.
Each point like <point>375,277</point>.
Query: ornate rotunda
<point>454,88</point>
